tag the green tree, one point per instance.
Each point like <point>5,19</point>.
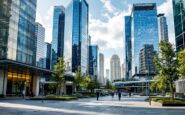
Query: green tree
<point>108,85</point>
<point>166,64</point>
<point>58,74</point>
<point>78,79</point>
<point>86,82</point>
<point>181,63</point>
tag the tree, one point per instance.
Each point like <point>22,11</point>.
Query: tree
<point>78,79</point>
<point>58,74</point>
<point>166,64</point>
<point>86,82</point>
<point>181,63</point>
<point>108,85</point>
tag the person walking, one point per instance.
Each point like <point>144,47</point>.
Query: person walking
<point>97,95</point>
<point>119,95</point>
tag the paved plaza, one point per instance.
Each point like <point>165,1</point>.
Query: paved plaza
<point>105,106</point>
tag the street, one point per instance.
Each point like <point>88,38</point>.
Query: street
<point>105,106</point>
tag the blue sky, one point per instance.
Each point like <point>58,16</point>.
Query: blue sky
<point>106,24</point>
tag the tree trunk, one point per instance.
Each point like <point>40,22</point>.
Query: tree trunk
<point>171,90</point>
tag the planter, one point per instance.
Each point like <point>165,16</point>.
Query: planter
<point>153,103</point>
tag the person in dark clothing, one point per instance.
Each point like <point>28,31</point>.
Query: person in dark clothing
<point>112,94</point>
<point>97,95</point>
<point>119,95</point>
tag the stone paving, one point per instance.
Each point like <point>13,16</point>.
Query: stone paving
<point>105,106</point>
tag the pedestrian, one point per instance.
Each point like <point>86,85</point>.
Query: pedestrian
<point>112,94</point>
<point>119,95</point>
<point>129,93</point>
<point>97,95</point>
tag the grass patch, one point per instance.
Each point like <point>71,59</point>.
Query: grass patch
<point>59,98</point>
<point>168,101</point>
<point>86,95</point>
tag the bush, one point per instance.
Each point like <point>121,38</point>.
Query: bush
<point>62,98</point>
<point>169,101</point>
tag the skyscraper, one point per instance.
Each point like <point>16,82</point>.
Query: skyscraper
<point>144,30</point>
<point>108,74</point>
<point>76,36</point>
<point>146,59</point>
<point>128,53</point>
<point>123,71</point>
<point>101,69</point>
<point>162,27</point>
<point>115,68</point>
<point>18,51</point>
<point>47,55</point>
<point>93,60</point>
<point>179,23</point>
<point>40,38</point>
<point>58,34</point>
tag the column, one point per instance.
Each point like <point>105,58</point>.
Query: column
<point>36,85</point>
<point>3,82</point>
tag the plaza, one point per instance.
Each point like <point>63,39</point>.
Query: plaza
<point>135,105</point>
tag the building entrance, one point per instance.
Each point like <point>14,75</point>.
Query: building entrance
<point>19,84</point>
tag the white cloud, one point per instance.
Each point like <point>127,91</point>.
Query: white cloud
<point>48,17</point>
<point>166,7</point>
<point>108,6</point>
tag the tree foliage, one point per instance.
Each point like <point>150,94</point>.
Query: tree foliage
<point>166,64</point>
<point>108,85</point>
<point>78,79</point>
<point>59,72</point>
<point>181,63</point>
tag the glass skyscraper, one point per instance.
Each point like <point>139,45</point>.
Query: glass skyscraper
<point>58,34</point>
<point>47,55</point>
<point>76,36</point>
<point>179,23</point>
<point>144,30</point>
<point>40,38</point>
<point>162,27</point>
<point>18,72</point>
<point>93,60</point>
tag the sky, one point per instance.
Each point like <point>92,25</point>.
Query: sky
<point>106,22</point>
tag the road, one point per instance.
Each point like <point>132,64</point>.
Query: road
<point>105,106</point>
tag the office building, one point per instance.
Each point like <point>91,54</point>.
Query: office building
<point>178,12</point>
<point>115,68</point>
<point>143,30</point>
<point>58,34</point>
<point>18,72</point>
<point>162,27</point>
<point>76,36</point>
<point>93,60</point>
<point>101,69</point>
<point>47,55</point>
<point>146,59</point>
<point>128,53</point>
<point>40,38</point>
<point>123,71</point>
<point>108,74</point>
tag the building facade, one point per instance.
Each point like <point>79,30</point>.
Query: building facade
<point>146,57</point>
<point>144,30</point>
<point>162,27</point>
<point>101,69</point>
<point>115,68</point>
<point>108,74</point>
<point>93,60</point>
<point>18,73</point>
<point>47,55</point>
<point>40,38</point>
<point>128,53</point>
<point>76,36</point>
<point>123,72</point>
<point>179,23</point>
<point>58,34</point>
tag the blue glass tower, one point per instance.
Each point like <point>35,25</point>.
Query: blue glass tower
<point>58,34</point>
<point>128,46</point>
<point>47,55</point>
<point>76,36</point>
<point>93,60</point>
<point>144,30</point>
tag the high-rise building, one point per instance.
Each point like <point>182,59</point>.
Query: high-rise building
<point>58,34</point>
<point>146,59</point>
<point>123,71</point>
<point>18,72</point>
<point>40,38</point>
<point>76,36</point>
<point>108,74</point>
<point>144,30</point>
<point>115,68</point>
<point>162,27</point>
<point>101,69</point>
<point>128,54</point>
<point>47,55</point>
<point>179,23</point>
<point>93,60</point>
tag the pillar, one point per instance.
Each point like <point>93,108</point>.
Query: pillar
<point>36,85</point>
<point>3,82</point>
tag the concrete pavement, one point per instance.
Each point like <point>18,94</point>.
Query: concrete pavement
<point>105,106</point>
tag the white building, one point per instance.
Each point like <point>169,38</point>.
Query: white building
<point>115,68</point>
<point>123,71</point>
<point>101,69</point>
<point>108,74</point>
